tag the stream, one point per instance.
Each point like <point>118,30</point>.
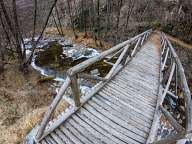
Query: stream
<point>54,56</point>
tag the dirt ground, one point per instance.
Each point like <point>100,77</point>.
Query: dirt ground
<point>23,100</point>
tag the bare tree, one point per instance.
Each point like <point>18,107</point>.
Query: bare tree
<point>71,19</point>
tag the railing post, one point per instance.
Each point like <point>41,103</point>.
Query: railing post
<point>75,90</point>
<point>143,39</point>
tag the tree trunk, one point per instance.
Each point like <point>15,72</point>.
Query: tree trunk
<point>118,18</point>
<point>71,19</point>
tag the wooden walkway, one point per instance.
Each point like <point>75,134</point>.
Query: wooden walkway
<point>127,104</point>
<point>122,111</point>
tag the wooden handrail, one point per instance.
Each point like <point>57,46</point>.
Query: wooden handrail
<point>80,67</point>
<point>174,67</point>
<point>185,87</point>
<point>51,108</point>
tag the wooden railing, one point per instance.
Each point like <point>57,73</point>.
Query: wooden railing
<point>172,83</point>
<point>124,52</point>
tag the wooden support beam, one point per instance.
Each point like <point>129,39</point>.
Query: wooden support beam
<point>165,59</point>
<point>87,76</point>
<point>176,80</point>
<point>166,74</point>
<point>115,54</point>
<point>168,83</point>
<point>143,39</point>
<point>117,62</point>
<point>109,63</point>
<point>51,108</point>
<point>171,120</point>
<point>75,90</point>
<point>171,94</point>
<point>135,48</point>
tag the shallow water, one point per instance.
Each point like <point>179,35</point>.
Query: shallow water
<point>76,52</point>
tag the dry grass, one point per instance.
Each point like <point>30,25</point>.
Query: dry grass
<point>15,133</point>
<point>60,108</point>
<point>23,100</point>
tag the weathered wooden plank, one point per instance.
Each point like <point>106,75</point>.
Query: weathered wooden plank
<point>138,86</point>
<point>142,77</point>
<point>56,138</point>
<point>85,132</point>
<point>70,135</point>
<point>63,136</point>
<point>76,133</point>
<point>123,116</point>
<point>96,130</point>
<point>133,102</point>
<point>50,140</point>
<point>131,99</point>
<point>136,114</point>
<point>143,39</point>
<point>141,96</point>
<point>122,125</point>
<point>124,107</point>
<point>113,130</point>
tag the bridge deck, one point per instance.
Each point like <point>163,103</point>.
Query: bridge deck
<point>122,111</point>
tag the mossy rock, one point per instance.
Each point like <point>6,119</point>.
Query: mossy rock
<point>46,79</point>
<point>51,55</point>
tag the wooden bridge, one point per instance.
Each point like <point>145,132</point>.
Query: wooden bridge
<point>126,105</point>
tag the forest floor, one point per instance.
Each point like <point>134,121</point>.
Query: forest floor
<point>23,100</point>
